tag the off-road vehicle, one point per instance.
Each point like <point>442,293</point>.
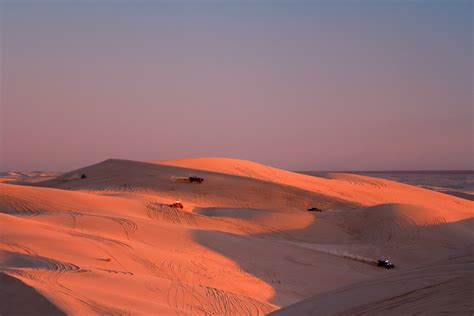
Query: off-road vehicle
<point>177,205</point>
<point>385,263</point>
<point>196,179</point>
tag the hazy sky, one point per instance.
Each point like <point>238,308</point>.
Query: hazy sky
<point>302,85</point>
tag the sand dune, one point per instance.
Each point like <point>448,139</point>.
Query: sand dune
<point>355,189</point>
<point>27,177</point>
<point>244,243</point>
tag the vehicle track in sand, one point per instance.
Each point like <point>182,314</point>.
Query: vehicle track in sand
<point>14,260</point>
<point>12,205</point>
<point>187,294</point>
<point>16,246</point>
<point>325,249</point>
<point>129,227</point>
<point>166,213</point>
<point>101,239</point>
<point>189,298</point>
<point>42,271</point>
<point>25,211</point>
<point>115,271</point>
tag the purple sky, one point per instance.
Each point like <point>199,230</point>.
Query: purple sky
<point>302,85</point>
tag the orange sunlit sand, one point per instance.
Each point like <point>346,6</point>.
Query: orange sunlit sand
<point>244,242</point>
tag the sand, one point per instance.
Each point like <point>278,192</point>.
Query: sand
<point>27,177</point>
<point>244,243</point>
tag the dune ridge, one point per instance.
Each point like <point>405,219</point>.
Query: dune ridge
<point>244,243</point>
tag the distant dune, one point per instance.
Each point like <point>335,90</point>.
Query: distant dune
<point>33,176</point>
<point>459,183</point>
<point>244,243</point>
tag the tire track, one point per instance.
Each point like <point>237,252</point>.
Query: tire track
<point>190,298</point>
<point>129,227</point>
<point>25,211</point>
<point>41,270</point>
<point>116,271</point>
<point>13,260</point>
<point>158,211</point>
<point>186,296</point>
<point>103,240</point>
<point>16,246</point>
<point>18,207</point>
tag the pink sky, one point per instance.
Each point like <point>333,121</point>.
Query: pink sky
<point>298,85</point>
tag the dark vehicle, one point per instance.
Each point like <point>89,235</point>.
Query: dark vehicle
<point>177,205</point>
<point>315,209</point>
<point>83,176</point>
<point>384,263</point>
<point>196,179</point>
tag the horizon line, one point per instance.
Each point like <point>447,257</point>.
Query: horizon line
<point>309,171</point>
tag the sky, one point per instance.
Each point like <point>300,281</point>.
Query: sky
<point>300,85</point>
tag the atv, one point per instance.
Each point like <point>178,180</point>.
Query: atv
<point>385,264</point>
<point>196,179</point>
<point>177,205</point>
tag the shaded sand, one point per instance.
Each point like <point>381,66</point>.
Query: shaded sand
<point>17,298</point>
<point>468,196</point>
<point>244,244</point>
<point>444,287</point>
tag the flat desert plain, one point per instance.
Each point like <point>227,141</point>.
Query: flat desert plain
<point>244,242</point>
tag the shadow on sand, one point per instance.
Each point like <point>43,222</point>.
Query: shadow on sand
<point>17,298</point>
<point>278,257</point>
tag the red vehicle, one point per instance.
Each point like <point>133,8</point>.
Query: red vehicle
<point>177,205</point>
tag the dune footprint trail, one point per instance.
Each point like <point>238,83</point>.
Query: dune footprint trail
<point>244,243</point>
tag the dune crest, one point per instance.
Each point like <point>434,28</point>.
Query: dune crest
<point>356,189</point>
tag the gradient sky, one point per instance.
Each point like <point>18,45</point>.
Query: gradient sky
<point>302,85</point>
